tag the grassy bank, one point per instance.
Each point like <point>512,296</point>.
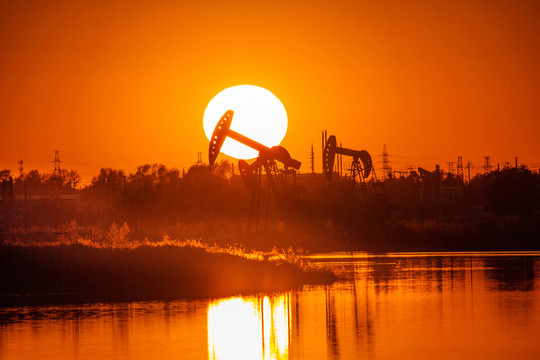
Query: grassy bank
<point>77,272</point>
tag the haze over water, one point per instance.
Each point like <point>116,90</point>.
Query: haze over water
<point>415,305</point>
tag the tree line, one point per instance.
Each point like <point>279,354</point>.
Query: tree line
<point>156,193</point>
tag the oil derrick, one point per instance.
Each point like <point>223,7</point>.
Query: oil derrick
<point>385,159</point>
<point>460,167</point>
<point>487,164</point>
<point>275,161</point>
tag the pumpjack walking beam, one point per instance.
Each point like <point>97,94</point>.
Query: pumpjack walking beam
<point>223,130</point>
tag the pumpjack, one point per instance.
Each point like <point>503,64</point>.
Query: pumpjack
<point>361,165</point>
<point>268,159</point>
<point>360,170</point>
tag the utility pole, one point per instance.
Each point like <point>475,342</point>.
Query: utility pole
<point>312,158</point>
<point>340,157</point>
<point>323,143</point>
<point>516,162</point>
<point>199,159</point>
<point>21,177</point>
<point>469,170</point>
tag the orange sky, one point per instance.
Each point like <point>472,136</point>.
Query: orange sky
<point>124,83</point>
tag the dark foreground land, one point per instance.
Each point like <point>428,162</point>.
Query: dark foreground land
<point>80,273</point>
<point>430,211</point>
<point>111,241</point>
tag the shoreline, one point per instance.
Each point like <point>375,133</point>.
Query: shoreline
<point>77,273</point>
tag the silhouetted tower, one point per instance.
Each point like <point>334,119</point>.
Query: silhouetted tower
<point>312,158</point>
<point>21,169</point>
<point>199,159</point>
<point>487,164</point>
<point>451,167</point>
<point>385,159</point>
<point>460,167</point>
<point>57,162</point>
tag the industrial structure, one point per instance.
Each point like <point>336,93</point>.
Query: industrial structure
<point>276,162</point>
<point>361,169</point>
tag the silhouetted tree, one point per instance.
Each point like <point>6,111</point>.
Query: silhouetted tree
<point>33,181</point>
<point>5,174</point>
<point>107,182</point>
<point>451,180</point>
<point>72,179</point>
<point>510,191</point>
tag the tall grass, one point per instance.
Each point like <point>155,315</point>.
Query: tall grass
<point>95,264</point>
<point>116,237</point>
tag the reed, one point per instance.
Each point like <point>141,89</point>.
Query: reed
<point>83,270</point>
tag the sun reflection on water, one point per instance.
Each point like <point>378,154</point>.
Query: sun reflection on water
<point>249,328</point>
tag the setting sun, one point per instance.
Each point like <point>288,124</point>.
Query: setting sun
<point>269,180</point>
<point>258,114</point>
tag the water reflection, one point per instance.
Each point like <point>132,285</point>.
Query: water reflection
<point>511,274</point>
<point>249,328</point>
<point>445,306</point>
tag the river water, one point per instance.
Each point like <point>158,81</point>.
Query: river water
<point>394,306</point>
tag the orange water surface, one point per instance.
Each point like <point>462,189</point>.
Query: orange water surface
<point>396,306</point>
